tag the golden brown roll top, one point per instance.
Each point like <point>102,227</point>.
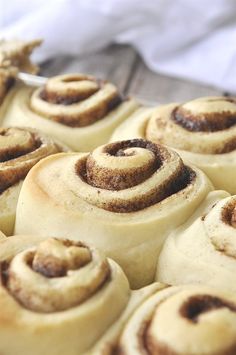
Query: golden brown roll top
<point>190,320</point>
<point>205,125</point>
<point>77,109</point>
<point>61,294</point>
<point>20,150</point>
<point>124,198</point>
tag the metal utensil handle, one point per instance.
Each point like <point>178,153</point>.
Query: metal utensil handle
<point>32,80</point>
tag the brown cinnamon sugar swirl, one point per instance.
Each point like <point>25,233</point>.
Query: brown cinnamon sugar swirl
<point>20,150</point>
<point>124,197</point>
<point>57,296</point>
<point>203,251</point>
<point>190,320</point>
<point>77,109</point>
<point>202,131</point>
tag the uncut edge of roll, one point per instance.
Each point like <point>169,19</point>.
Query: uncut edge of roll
<point>20,149</point>
<point>202,131</point>
<point>203,250</point>
<point>77,109</point>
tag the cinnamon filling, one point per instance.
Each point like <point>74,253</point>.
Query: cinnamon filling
<point>150,345</point>
<point>228,214</point>
<point>195,306</point>
<point>92,115</point>
<point>50,259</point>
<point>115,179</point>
<point>20,150</point>
<point>15,143</point>
<point>60,260</point>
<point>207,122</point>
<point>69,98</point>
<point>61,91</point>
<point>192,309</point>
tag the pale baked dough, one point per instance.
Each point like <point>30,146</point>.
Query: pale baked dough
<point>209,142</point>
<point>108,343</point>
<point>203,250</point>
<point>7,78</point>
<point>57,297</point>
<point>124,198</point>
<point>20,149</point>
<point>76,109</point>
<point>187,320</point>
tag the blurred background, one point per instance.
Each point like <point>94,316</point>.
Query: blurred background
<point>158,50</point>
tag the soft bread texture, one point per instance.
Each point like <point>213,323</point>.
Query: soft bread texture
<point>108,343</point>
<point>203,250</point>
<point>124,198</point>
<point>187,320</point>
<point>57,296</point>
<point>202,131</point>
<point>20,149</point>
<point>76,109</point>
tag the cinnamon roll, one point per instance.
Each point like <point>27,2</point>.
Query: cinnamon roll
<point>107,344</point>
<point>20,149</point>
<point>203,251</point>
<point>16,53</point>
<point>77,109</point>
<point>188,320</point>
<point>202,131</point>
<point>124,198</point>
<point>57,296</point>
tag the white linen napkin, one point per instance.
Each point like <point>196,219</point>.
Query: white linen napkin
<point>183,38</point>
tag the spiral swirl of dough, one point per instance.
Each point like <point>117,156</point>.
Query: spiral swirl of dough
<point>205,125</point>
<point>190,320</point>
<point>203,251</point>
<point>56,275</point>
<point>76,109</point>
<point>202,132</point>
<point>124,198</point>
<point>75,100</point>
<point>57,296</point>
<point>20,150</point>
<point>130,175</point>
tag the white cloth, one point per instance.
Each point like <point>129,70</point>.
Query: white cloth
<point>184,38</point>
